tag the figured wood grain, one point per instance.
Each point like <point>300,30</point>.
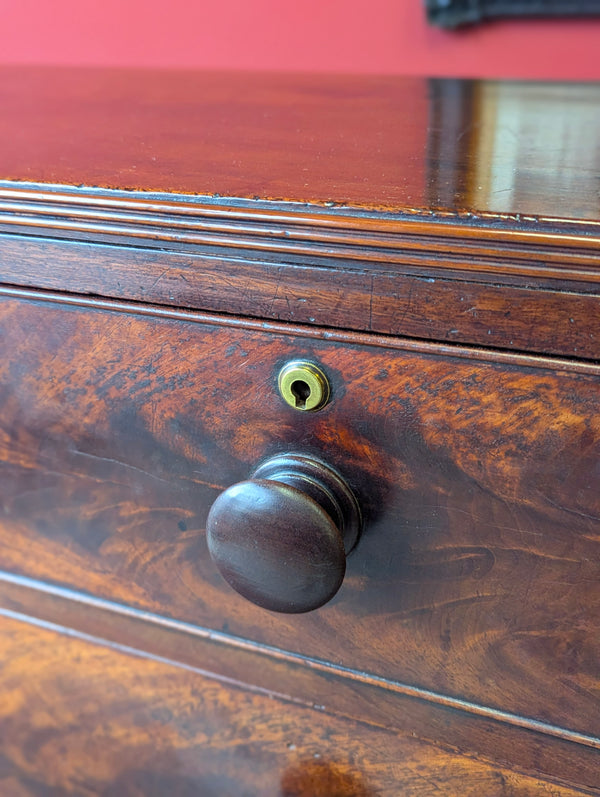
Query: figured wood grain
<point>477,575</point>
<point>86,719</point>
<point>508,741</point>
<point>465,641</point>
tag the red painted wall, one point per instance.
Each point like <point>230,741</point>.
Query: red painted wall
<point>368,36</point>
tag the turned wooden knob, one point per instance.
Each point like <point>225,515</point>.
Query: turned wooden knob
<point>280,539</point>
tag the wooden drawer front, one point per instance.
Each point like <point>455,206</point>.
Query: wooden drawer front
<point>88,720</point>
<point>477,575</point>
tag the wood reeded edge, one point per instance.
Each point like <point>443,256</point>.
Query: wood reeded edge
<point>393,215</point>
<point>502,283</point>
<point>392,205</point>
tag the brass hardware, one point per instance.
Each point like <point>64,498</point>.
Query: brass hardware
<point>303,386</point>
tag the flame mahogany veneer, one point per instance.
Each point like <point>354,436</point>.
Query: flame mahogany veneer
<point>169,241</point>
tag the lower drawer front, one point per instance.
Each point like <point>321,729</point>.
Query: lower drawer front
<point>83,719</point>
<point>477,574</point>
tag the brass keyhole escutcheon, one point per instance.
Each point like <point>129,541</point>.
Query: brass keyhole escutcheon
<point>303,386</point>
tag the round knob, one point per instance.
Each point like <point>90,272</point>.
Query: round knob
<point>280,539</point>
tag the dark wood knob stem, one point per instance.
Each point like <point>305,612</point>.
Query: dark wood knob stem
<point>280,539</point>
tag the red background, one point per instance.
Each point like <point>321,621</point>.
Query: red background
<point>366,36</point>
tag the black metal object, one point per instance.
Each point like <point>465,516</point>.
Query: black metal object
<point>452,13</point>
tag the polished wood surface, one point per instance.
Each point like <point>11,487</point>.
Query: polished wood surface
<point>275,546</point>
<point>478,574</point>
<point>460,211</point>
<point>469,730</point>
<point>85,719</point>
<point>168,242</point>
<point>280,538</point>
<point>399,144</point>
<point>524,289</point>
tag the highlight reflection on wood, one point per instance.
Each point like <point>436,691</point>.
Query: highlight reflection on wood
<point>168,243</point>
<point>361,141</point>
<point>477,480</point>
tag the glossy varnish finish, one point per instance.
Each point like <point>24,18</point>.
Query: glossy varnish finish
<point>280,538</point>
<point>443,210</point>
<point>372,142</point>
<point>477,575</point>
<point>167,243</point>
<point>92,720</point>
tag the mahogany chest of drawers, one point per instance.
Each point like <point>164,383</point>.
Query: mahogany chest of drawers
<point>419,259</point>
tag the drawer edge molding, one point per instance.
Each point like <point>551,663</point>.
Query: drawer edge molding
<point>111,622</point>
<point>516,358</point>
<point>555,315</point>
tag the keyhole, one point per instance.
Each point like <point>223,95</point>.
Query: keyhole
<point>301,392</point>
<point>303,386</point>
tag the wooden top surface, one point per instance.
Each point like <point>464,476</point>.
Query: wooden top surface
<point>403,145</point>
<point>458,211</point>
